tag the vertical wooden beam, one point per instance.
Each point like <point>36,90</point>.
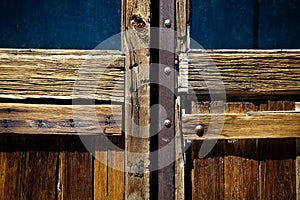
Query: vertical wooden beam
<point>136,43</point>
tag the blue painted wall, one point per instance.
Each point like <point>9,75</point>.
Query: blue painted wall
<point>264,24</point>
<point>68,24</point>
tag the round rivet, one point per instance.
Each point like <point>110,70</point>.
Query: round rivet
<point>167,70</point>
<point>168,23</point>
<point>199,130</point>
<point>167,123</point>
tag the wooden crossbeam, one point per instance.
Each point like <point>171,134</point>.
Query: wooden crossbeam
<point>60,119</point>
<point>272,124</point>
<point>243,72</point>
<point>55,74</point>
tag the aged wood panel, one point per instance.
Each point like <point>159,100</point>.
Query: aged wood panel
<point>297,108</point>
<point>60,119</point>
<point>116,176</point>
<point>11,156</point>
<point>181,25</point>
<point>136,42</point>
<point>277,165</point>
<point>208,173</point>
<point>40,167</point>
<point>75,174</point>
<point>62,74</point>
<point>244,72</point>
<point>100,169</point>
<point>243,126</point>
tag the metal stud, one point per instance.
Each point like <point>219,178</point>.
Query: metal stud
<point>167,70</point>
<point>199,130</point>
<point>167,123</point>
<point>168,23</point>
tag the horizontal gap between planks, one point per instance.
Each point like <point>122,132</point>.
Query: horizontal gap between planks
<point>244,72</point>
<point>62,74</point>
<point>60,119</point>
<point>282,124</point>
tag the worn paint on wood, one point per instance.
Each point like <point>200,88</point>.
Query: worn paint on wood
<point>244,73</point>
<point>136,19</point>
<point>69,24</point>
<point>62,74</point>
<point>60,119</point>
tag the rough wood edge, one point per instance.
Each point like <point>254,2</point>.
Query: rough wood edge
<point>60,119</point>
<point>297,108</point>
<point>238,126</point>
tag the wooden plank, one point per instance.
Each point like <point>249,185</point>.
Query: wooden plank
<point>243,126</point>
<point>208,173</point>
<point>62,74</point>
<point>11,155</point>
<point>100,169</point>
<point>240,161</point>
<point>241,169</point>
<point>277,165</point>
<point>245,72</point>
<point>60,119</point>
<point>181,25</point>
<point>116,176</point>
<point>136,43</point>
<point>179,153</point>
<point>75,173</point>
<point>40,168</point>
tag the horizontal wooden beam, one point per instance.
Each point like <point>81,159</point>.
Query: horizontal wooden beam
<point>269,124</point>
<point>62,74</point>
<point>243,72</point>
<point>60,119</point>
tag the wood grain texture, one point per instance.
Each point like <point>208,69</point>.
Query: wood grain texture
<point>244,72</point>
<point>297,108</point>
<point>62,74</point>
<point>11,155</point>
<point>40,168</point>
<point>116,176</point>
<point>75,175</point>
<point>243,126</point>
<point>208,173</point>
<point>136,42</point>
<point>277,165</point>
<point>100,170</point>
<point>181,25</point>
<point>60,119</point>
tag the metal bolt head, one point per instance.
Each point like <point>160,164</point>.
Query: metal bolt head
<point>167,70</point>
<point>199,130</point>
<point>167,123</point>
<point>168,23</point>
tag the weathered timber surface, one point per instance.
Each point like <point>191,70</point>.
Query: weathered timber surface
<point>181,23</point>
<point>40,167</point>
<point>60,119</point>
<point>297,108</point>
<point>136,42</point>
<point>62,74</point>
<point>75,173</point>
<point>11,155</point>
<point>243,126</point>
<point>277,165</point>
<point>244,72</point>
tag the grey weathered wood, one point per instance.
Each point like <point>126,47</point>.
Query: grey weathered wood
<point>136,43</point>
<point>60,119</point>
<point>244,126</point>
<point>245,72</point>
<point>97,74</point>
<point>181,23</point>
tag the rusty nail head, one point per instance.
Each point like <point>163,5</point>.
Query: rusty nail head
<point>199,130</point>
<point>168,23</point>
<point>167,70</point>
<point>167,123</point>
